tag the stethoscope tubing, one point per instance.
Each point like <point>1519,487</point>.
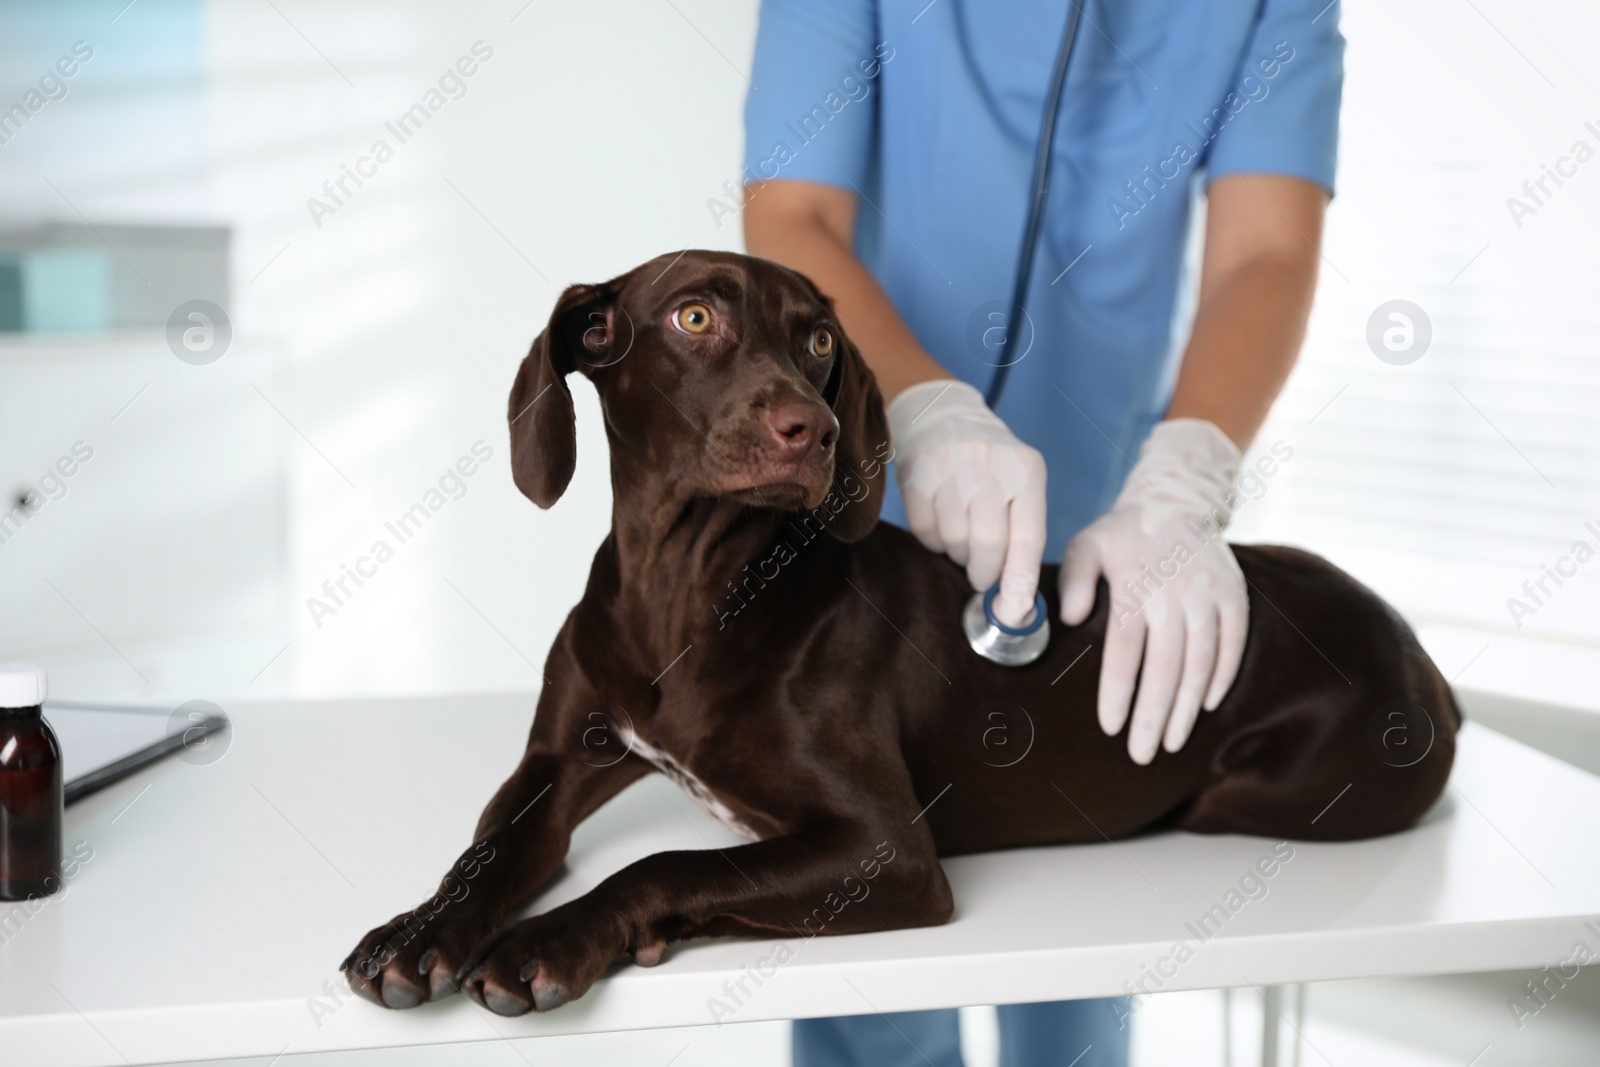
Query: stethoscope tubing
<point>1035,219</point>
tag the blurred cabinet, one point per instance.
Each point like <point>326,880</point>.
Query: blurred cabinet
<point>82,278</point>
<point>143,516</point>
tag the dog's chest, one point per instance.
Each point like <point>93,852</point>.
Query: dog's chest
<point>668,765</point>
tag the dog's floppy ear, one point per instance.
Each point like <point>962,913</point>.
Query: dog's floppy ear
<point>544,438</point>
<point>861,462</point>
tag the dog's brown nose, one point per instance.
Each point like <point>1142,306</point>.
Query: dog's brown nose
<point>796,426</point>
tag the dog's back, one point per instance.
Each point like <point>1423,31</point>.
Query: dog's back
<point>1334,692</point>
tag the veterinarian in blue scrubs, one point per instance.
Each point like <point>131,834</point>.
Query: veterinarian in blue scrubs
<point>889,148</point>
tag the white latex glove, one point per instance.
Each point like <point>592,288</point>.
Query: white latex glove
<point>971,490</point>
<point>1178,598</point>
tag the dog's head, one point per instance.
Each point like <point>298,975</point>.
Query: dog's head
<point>720,375</point>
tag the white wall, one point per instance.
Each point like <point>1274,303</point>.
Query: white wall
<point>1449,482</point>
<point>409,309</point>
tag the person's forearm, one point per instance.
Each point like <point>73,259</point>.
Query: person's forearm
<point>809,228</point>
<point>1255,298</point>
<point>1245,342</point>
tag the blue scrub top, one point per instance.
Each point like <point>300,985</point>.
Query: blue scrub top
<point>931,111</point>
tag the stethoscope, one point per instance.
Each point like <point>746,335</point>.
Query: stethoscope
<point>990,638</point>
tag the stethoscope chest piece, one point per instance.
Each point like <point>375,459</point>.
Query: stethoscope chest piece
<point>1006,645</point>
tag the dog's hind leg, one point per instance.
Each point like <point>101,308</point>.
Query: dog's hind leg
<point>1376,768</point>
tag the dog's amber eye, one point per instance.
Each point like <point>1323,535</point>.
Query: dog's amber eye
<point>694,318</point>
<point>822,342</point>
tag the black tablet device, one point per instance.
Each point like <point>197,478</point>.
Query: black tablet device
<point>104,743</point>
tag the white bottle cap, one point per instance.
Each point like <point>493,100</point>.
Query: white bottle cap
<point>22,685</point>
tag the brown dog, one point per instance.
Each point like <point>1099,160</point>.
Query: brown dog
<point>752,631</point>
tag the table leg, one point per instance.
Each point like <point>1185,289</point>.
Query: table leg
<point>1227,1028</point>
<point>1272,997</point>
<point>1299,1020</point>
<point>1275,999</point>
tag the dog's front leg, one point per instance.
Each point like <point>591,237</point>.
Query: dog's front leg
<point>519,843</point>
<point>835,878</point>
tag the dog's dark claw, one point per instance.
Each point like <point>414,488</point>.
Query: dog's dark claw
<point>396,995</point>
<point>551,997</point>
<point>529,969</point>
<point>499,1002</point>
<point>348,960</point>
<point>429,958</point>
<point>441,986</point>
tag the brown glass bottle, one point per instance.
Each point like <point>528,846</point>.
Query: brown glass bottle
<point>30,788</point>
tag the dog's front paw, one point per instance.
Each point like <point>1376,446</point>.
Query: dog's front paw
<point>542,962</point>
<point>414,957</point>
